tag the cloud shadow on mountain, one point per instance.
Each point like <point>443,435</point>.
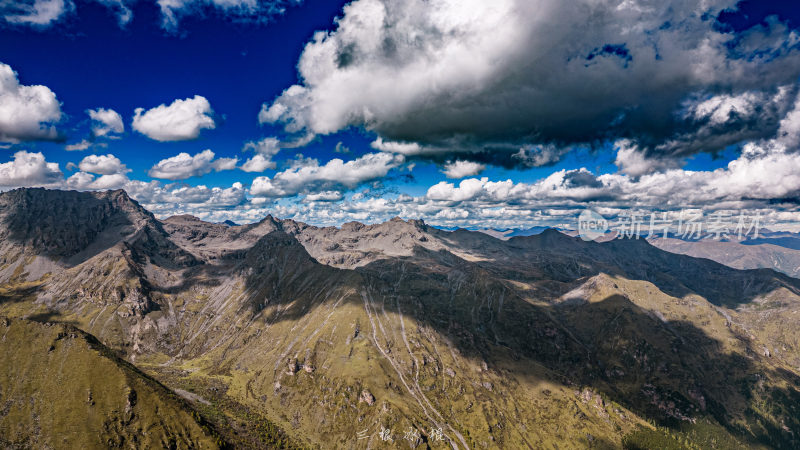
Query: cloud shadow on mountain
<point>668,371</point>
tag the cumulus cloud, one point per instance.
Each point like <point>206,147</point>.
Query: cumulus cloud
<point>178,198</point>
<point>758,174</point>
<point>477,77</point>
<point>103,165</point>
<point>181,120</point>
<point>326,196</point>
<point>265,149</point>
<point>716,122</point>
<point>466,190</point>
<point>26,112</point>
<point>789,131</point>
<point>29,169</point>
<point>631,161</point>
<point>258,163</point>
<point>764,173</point>
<point>84,181</point>
<point>105,122</point>
<point>577,185</point>
<point>78,146</point>
<point>403,148</point>
<point>461,169</point>
<point>37,13</point>
<point>183,165</point>
<point>308,176</point>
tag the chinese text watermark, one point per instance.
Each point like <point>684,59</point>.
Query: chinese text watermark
<point>685,225</point>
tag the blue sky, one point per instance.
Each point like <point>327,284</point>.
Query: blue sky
<point>516,115</point>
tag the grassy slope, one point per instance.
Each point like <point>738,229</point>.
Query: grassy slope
<point>60,388</point>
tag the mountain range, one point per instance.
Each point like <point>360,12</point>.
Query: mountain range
<point>773,250</point>
<point>286,335</point>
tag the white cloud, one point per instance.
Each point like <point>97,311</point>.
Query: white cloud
<point>461,169</point>
<point>759,175</point>
<point>179,198</point>
<point>789,131</point>
<point>78,146</point>
<point>120,8</point>
<point>767,176</point>
<point>763,172</point>
<point>452,214</point>
<point>269,146</point>
<point>29,169</point>
<point>539,155</point>
<point>184,166</point>
<point>341,148</point>
<point>403,148</point>
<point>258,163</point>
<point>307,176</point>
<point>181,120</point>
<point>86,181</point>
<point>44,13</point>
<point>103,165</point>
<point>258,10</point>
<point>26,112</point>
<point>719,109</point>
<point>105,122</point>
<point>326,196</point>
<point>632,161</point>
<point>466,190</point>
<point>39,13</point>
<point>265,149</point>
<point>480,77</point>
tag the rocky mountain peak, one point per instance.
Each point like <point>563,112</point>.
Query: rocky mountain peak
<point>62,223</point>
<point>352,226</point>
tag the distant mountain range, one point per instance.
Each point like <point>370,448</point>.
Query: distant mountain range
<point>778,250</point>
<point>282,334</point>
<point>512,232</point>
<point>774,250</point>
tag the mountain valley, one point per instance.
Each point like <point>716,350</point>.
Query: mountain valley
<point>281,334</point>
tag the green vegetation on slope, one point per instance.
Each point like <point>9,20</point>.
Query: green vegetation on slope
<point>61,388</point>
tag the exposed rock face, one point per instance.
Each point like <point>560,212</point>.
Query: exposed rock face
<point>216,242</point>
<point>63,229</point>
<point>292,367</point>
<point>366,397</point>
<point>355,244</point>
<point>63,223</point>
<point>532,339</point>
